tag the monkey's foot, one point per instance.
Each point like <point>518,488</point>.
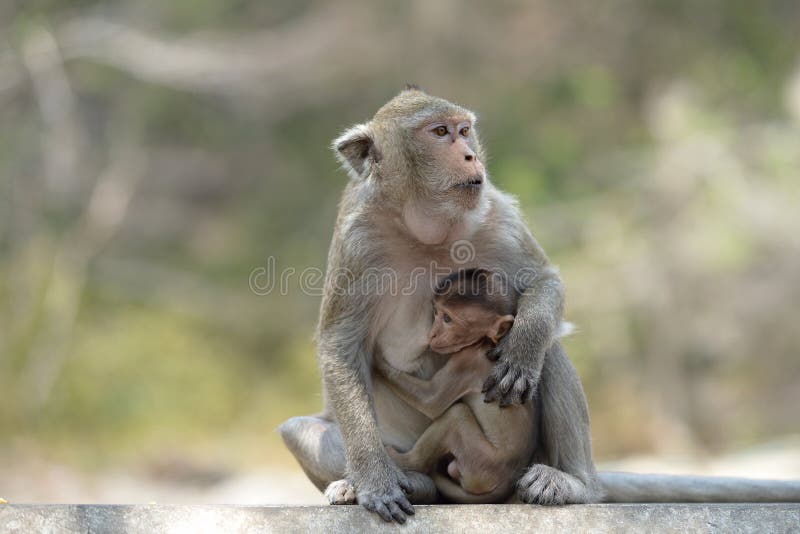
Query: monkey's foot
<point>341,492</point>
<point>384,491</point>
<point>453,471</point>
<point>545,485</point>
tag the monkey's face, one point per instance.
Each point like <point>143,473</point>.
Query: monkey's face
<point>449,168</point>
<point>418,148</point>
<point>458,326</point>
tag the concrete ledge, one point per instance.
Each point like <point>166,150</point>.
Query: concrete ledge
<point>461,518</point>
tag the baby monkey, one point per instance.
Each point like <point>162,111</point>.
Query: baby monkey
<point>474,451</point>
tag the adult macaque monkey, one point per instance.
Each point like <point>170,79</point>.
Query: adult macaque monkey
<point>418,196</point>
<point>418,191</point>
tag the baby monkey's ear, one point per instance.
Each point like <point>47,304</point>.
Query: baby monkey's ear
<point>500,327</point>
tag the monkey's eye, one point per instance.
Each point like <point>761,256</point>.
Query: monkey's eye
<point>441,131</point>
<point>446,318</point>
<point>464,131</point>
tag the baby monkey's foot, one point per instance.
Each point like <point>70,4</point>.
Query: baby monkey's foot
<point>453,472</point>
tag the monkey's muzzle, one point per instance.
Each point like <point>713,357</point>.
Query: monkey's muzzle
<point>473,183</point>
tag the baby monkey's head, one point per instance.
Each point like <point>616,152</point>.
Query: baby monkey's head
<point>471,306</point>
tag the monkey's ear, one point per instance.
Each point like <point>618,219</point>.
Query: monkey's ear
<point>500,327</point>
<point>356,150</point>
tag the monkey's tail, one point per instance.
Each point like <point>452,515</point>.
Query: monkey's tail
<point>635,487</point>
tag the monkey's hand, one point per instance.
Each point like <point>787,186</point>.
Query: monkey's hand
<point>514,377</point>
<point>383,491</point>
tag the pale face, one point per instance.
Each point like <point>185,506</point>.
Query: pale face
<point>450,163</point>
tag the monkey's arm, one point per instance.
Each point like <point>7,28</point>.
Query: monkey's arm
<point>345,364</point>
<point>520,353</point>
<point>380,485</point>
<point>415,391</point>
<point>432,397</point>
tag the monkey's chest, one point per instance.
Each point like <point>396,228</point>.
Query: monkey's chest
<point>403,338</point>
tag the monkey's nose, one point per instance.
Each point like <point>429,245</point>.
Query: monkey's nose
<point>469,157</point>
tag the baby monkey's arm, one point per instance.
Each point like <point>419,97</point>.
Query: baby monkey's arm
<point>463,373</point>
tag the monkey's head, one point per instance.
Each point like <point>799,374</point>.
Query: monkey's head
<point>418,148</point>
<point>470,306</point>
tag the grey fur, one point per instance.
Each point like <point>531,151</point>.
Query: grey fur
<point>367,236</point>
<point>634,487</point>
<point>394,183</point>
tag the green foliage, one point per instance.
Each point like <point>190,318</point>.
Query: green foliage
<point>649,144</point>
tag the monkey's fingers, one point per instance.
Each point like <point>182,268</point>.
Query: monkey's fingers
<point>492,395</point>
<point>374,505</point>
<point>494,353</point>
<point>405,484</point>
<point>517,393</point>
<point>489,384</point>
<point>508,381</point>
<point>530,393</point>
<point>521,388</point>
<point>501,379</point>
<point>388,502</point>
<point>396,512</point>
<point>509,398</point>
<point>406,506</point>
<point>490,390</point>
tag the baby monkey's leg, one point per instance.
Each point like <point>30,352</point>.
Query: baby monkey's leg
<point>456,433</point>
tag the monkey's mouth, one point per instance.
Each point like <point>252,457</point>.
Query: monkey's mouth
<point>452,349</point>
<point>472,184</point>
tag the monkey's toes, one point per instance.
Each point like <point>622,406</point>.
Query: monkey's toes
<point>548,486</point>
<point>341,492</point>
<point>393,506</point>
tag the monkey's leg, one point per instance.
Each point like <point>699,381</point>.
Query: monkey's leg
<point>461,374</point>
<point>435,442</point>
<point>422,488</point>
<point>458,433</point>
<point>564,472</point>
<point>316,443</point>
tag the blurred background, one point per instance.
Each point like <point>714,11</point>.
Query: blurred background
<point>153,155</point>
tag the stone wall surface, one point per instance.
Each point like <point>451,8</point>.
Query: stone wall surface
<point>483,519</point>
